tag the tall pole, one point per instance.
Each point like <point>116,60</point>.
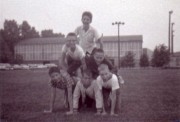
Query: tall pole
<point>119,54</point>
<point>172,43</point>
<point>118,24</point>
<point>172,34</point>
<point>169,34</point>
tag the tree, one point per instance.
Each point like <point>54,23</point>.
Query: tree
<point>128,60</point>
<point>49,33</point>
<point>160,56</point>
<point>34,33</point>
<point>10,34</point>
<point>27,31</point>
<point>18,59</point>
<point>144,60</point>
<point>6,54</point>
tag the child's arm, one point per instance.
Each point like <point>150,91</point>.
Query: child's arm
<point>113,102</point>
<point>53,96</point>
<point>70,100</point>
<point>65,99</point>
<point>76,96</point>
<point>62,61</point>
<point>83,61</point>
<point>103,107</point>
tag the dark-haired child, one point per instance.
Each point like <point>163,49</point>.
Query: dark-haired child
<point>60,79</point>
<point>87,88</point>
<point>97,57</point>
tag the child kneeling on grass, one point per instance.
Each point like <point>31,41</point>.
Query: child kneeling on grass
<point>87,87</point>
<point>108,83</point>
<point>60,79</point>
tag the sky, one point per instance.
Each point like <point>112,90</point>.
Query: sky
<point>148,18</point>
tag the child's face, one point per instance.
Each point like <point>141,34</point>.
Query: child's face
<point>86,77</point>
<point>55,76</point>
<point>99,57</point>
<point>86,80</point>
<point>86,20</point>
<point>71,41</point>
<point>105,74</point>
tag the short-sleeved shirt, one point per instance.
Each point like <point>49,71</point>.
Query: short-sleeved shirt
<point>64,82</point>
<point>78,54</point>
<point>88,39</point>
<point>93,67</point>
<point>110,84</point>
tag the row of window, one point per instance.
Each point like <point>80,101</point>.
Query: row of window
<point>38,48</point>
<point>52,51</point>
<point>40,56</point>
<point>123,46</point>
<point>123,53</point>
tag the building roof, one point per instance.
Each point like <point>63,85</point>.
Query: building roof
<point>49,40</point>
<point>123,38</point>
<point>61,40</point>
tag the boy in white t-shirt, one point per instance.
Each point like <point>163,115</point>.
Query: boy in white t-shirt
<point>88,36</point>
<point>109,82</point>
<point>72,55</point>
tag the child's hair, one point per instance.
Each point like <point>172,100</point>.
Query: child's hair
<point>54,69</point>
<point>71,34</point>
<point>87,72</point>
<point>103,67</point>
<point>95,50</point>
<point>88,79</point>
<point>87,13</point>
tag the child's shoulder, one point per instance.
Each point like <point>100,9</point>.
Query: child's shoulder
<point>79,27</point>
<point>114,76</point>
<point>99,78</point>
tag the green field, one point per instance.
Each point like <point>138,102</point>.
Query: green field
<point>147,96</point>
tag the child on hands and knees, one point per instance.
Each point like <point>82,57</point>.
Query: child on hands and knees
<point>60,79</point>
<point>108,81</point>
<point>87,87</point>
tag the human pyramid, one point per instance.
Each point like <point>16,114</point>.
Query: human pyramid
<point>84,74</point>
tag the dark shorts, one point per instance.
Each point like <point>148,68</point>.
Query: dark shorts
<point>73,65</point>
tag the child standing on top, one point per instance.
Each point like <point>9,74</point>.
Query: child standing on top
<point>88,36</point>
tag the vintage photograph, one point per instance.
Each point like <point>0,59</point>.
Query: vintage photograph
<point>89,61</point>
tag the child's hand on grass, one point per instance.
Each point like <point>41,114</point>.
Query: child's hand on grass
<point>113,114</point>
<point>103,113</point>
<point>69,113</point>
<point>47,111</point>
<point>97,113</point>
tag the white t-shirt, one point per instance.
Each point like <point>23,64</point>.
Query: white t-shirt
<point>110,84</point>
<point>78,54</point>
<point>88,39</point>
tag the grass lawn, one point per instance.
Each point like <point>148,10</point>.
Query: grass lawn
<point>147,96</point>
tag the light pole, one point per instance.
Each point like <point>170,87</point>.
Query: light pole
<point>118,24</point>
<point>169,34</point>
<point>172,38</point>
